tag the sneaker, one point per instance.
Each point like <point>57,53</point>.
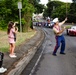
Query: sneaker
<point>12,56</point>
<point>62,53</point>
<point>54,54</point>
<point>2,70</point>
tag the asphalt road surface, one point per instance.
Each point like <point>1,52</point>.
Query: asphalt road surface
<point>44,63</point>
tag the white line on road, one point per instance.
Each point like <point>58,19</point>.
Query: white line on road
<point>32,71</point>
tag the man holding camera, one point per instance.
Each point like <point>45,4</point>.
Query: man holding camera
<point>59,36</point>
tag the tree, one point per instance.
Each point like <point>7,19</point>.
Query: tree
<point>38,7</point>
<point>60,12</point>
<point>74,1</point>
<point>9,11</point>
<point>72,13</point>
<point>51,6</point>
<point>27,12</point>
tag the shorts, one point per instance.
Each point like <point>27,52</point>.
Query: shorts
<point>11,40</point>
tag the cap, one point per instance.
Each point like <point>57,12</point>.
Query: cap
<point>55,20</point>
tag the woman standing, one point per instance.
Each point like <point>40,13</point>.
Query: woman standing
<point>12,30</point>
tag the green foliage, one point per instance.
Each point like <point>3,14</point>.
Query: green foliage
<point>72,13</point>
<point>31,24</point>
<point>23,21</point>
<point>2,25</point>
<point>61,10</point>
<point>45,14</point>
<point>39,8</point>
<point>51,6</point>
<point>27,12</point>
<point>9,11</point>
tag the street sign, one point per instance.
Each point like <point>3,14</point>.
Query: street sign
<point>19,5</point>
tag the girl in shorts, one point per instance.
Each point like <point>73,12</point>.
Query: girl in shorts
<point>12,30</point>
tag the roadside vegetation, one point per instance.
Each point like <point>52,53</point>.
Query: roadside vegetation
<point>9,12</point>
<point>56,8</point>
<point>21,37</point>
<point>68,26</point>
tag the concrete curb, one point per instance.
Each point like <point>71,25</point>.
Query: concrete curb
<point>26,59</point>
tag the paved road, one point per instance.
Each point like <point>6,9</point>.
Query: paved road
<point>54,65</point>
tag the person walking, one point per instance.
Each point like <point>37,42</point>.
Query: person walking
<point>12,30</point>
<point>60,40</point>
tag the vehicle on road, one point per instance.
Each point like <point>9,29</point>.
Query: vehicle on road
<point>71,31</point>
<point>52,24</point>
<point>49,25</point>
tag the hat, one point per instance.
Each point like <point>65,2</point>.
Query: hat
<point>55,20</point>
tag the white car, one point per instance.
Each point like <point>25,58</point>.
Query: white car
<point>71,31</point>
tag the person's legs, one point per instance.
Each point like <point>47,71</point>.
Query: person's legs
<point>1,59</point>
<point>62,45</point>
<point>10,49</point>
<point>1,63</point>
<point>13,48</point>
<point>12,54</point>
<point>58,40</point>
<point>2,70</point>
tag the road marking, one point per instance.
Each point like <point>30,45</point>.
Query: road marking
<point>32,71</point>
<point>43,48</point>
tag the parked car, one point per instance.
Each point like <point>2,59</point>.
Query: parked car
<point>71,31</point>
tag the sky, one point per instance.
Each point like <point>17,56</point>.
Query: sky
<point>46,1</point>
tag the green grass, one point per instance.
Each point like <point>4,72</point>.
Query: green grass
<point>21,37</point>
<point>68,26</point>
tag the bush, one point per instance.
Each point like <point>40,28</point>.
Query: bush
<point>3,25</point>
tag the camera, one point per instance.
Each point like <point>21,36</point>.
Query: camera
<point>16,23</point>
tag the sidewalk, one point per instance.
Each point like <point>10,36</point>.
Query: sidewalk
<point>24,53</point>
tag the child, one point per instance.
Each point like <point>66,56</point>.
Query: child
<point>2,70</point>
<point>12,30</point>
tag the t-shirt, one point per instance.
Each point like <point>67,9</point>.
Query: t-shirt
<point>11,34</point>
